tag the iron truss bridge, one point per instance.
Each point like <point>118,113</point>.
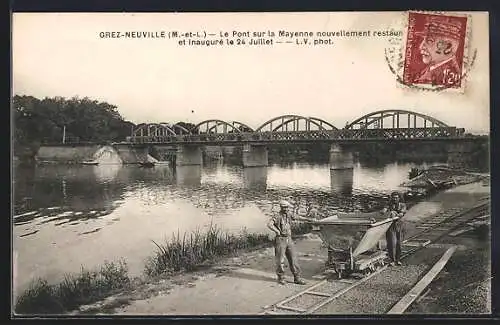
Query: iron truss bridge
<point>381,125</point>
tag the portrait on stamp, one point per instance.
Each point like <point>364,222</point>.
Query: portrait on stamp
<point>434,50</point>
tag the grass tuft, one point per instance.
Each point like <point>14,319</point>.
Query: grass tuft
<point>189,251</point>
<point>75,290</point>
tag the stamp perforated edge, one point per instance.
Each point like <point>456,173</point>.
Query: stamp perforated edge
<point>468,56</point>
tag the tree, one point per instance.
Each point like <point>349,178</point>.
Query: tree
<point>84,119</point>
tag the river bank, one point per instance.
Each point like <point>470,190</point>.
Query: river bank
<point>180,255</point>
<point>247,283</point>
<point>142,288</point>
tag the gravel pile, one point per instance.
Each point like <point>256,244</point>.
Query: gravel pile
<point>464,286</point>
<point>378,294</point>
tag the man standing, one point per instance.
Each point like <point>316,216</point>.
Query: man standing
<point>394,235</point>
<point>281,225</point>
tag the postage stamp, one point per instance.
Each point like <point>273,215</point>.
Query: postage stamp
<point>434,50</point>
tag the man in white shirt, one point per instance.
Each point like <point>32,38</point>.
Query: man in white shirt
<point>281,225</point>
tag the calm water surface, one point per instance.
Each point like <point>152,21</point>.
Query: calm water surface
<point>67,216</point>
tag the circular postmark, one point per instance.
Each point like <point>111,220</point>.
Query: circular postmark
<point>433,53</point>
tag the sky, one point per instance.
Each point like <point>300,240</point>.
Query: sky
<point>157,80</point>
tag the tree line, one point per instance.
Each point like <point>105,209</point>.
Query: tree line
<point>49,120</point>
<point>84,119</point>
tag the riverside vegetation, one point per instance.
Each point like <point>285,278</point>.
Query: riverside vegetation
<point>182,253</point>
<point>48,120</point>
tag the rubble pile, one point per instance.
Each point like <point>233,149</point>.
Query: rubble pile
<point>438,177</point>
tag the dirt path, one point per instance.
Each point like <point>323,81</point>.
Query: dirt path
<point>246,284</point>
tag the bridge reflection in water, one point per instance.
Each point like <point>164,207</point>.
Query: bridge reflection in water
<point>188,176</point>
<point>342,180</point>
<point>255,178</point>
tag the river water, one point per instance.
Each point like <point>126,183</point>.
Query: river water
<point>66,217</point>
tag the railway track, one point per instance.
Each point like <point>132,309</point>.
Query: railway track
<point>327,290</point>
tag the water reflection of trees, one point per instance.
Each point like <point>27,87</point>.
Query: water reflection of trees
<point>157,175</point>
<point>79,192</point>
<point>55,186</point>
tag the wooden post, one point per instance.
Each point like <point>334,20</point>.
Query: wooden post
<point>64,134</point>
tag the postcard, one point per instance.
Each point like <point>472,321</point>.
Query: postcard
<point>293,163</point>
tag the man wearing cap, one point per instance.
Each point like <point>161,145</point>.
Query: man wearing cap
<point>441,40</point>
<point>394,235</point>
<point>281,225</point>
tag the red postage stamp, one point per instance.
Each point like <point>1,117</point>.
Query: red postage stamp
<point>435,46</point>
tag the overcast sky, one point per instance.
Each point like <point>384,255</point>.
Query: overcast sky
<point>156,80</point>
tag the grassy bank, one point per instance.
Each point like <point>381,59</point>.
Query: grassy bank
<point>75,290</point>
<point>187,252</point>
<point>181,253</point>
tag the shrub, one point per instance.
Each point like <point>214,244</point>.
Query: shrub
<point>75,290</point>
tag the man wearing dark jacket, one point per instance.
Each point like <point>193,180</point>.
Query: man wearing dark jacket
<point>394,235</point>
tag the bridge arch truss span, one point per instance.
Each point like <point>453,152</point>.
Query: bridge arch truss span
<point>152,130</point>
<point>242,126</point>
<point>396,119</point>
<point>179,129</point>
<point>216,127</point>
<point>239,127</point>
<point>294,123</point>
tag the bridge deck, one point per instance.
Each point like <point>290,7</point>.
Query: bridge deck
<point>342,136</point>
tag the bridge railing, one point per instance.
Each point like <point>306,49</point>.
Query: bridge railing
<point>313,135</point>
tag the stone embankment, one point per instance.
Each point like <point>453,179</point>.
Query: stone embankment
<point>93,154</point>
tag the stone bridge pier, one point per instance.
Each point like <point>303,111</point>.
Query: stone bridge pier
<point>341,169</point>
<point>255,155</point>
<point>189,155</point>
<point>468,154</point>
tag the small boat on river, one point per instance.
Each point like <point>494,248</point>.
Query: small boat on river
<point>92,162</point>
